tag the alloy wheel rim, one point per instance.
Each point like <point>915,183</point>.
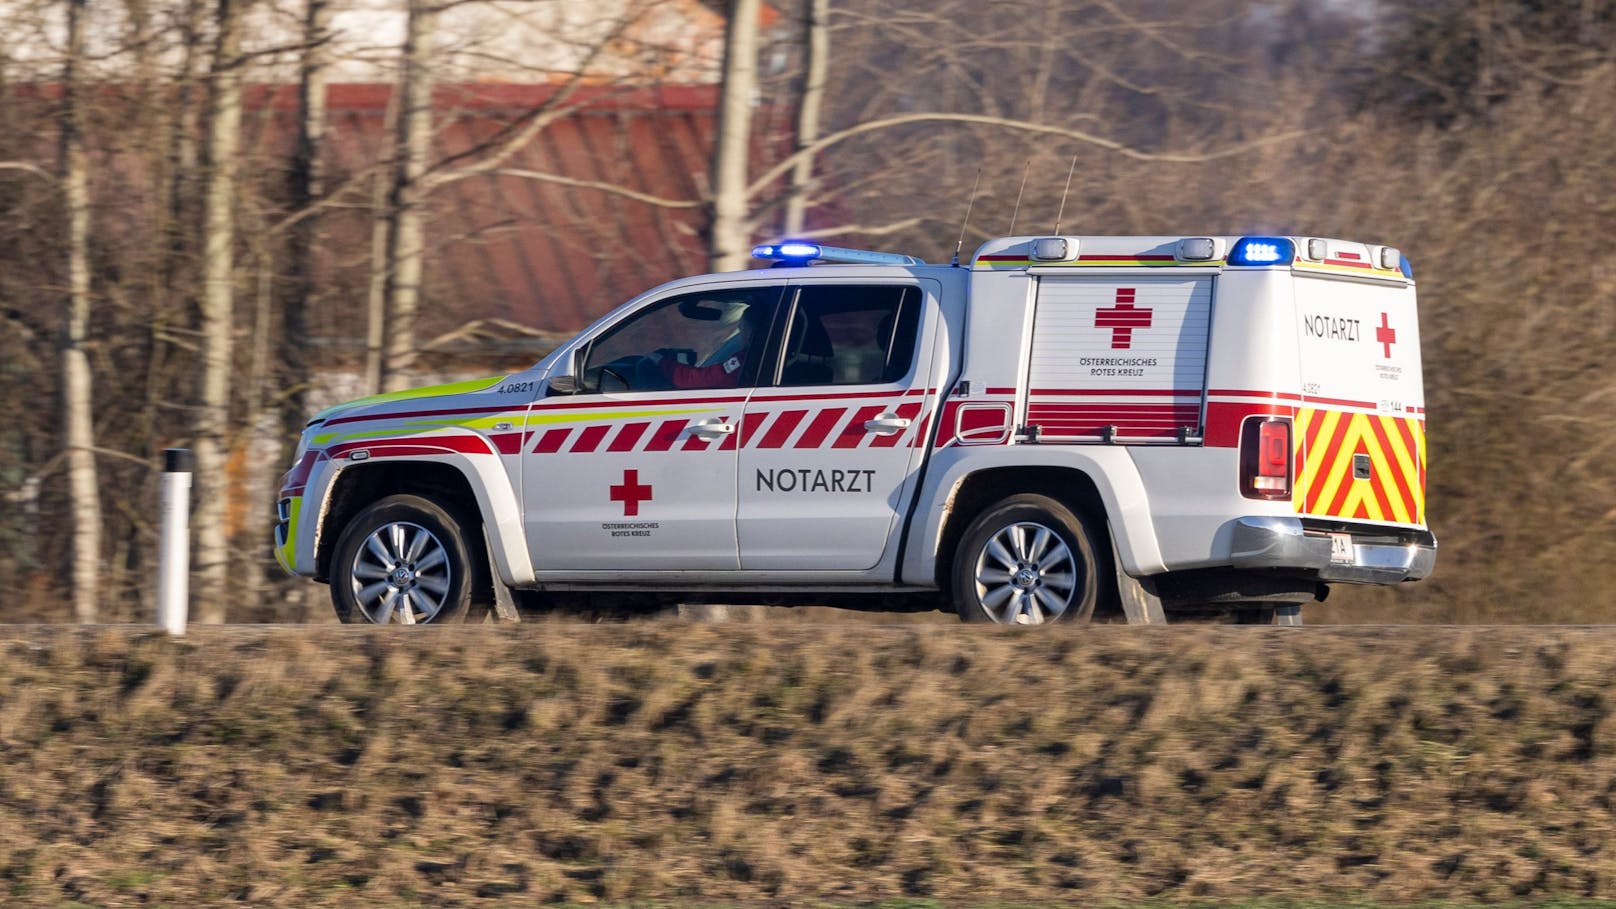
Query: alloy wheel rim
<point>1025,575</point>
<point>401,575</point>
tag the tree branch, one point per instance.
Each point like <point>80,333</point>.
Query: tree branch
<point>25,167</point>
<point>610,188</point>
<point>123,456</point>
<point>780,169</point>
<point>518,134</point>
<point>860,229</point>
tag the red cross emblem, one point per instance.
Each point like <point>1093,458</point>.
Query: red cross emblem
<point>631,493</point>
<point>1122,319</point>
<point>1386,335</point>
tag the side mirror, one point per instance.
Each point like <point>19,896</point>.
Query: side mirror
<point>564,385</point>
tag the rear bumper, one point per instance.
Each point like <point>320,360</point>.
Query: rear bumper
<point>1378,556</point>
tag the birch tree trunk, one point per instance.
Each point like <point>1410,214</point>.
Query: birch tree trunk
<point>218,241</point>
<point>729,243</point>
<point>177,194</point>
<point>376,289</point>
<point>405,224</point>
<point>816,15</point>
<point>306,187</point>
<point>84,492</point>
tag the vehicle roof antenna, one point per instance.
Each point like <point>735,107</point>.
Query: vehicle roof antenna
<point>1017,210</point>
<point>954,263</point>
<point>1062,212</point>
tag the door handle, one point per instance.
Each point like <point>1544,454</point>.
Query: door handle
<point>886,424</point>
<point>712,428</point>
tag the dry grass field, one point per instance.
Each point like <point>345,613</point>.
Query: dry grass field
<point>788,764</point>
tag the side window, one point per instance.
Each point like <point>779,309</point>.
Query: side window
<point>850,335</point>
<point>692,341</point>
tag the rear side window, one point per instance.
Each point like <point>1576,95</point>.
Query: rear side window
<point>841,334</point>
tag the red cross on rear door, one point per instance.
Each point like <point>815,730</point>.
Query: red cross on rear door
<point>1123,318</point>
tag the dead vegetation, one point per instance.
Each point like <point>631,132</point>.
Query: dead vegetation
<point>790,764</point>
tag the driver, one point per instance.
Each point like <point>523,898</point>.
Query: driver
<point>721,368</point>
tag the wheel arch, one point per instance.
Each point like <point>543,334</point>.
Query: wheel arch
<point>455,483</point>
<point>1100,482</point>
<point>979,491</point>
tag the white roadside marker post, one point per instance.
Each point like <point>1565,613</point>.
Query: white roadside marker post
<point>174,541</point>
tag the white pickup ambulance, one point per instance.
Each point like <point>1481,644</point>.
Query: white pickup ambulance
<point>1143,426</point>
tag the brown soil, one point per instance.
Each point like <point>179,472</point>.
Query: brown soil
<point>792,763</point>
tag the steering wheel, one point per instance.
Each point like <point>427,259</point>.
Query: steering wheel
<point>635,372</point>
<point>684,356</point>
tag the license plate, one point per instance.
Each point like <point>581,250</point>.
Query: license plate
<point>1341,547</point>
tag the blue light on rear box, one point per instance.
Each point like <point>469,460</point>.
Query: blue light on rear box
<point>1406,267</point>
<point>1262,251</point>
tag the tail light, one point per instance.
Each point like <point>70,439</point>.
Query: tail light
<point>1265,458</point>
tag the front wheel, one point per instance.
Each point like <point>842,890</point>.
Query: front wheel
<point>405,560</point>
<point>1026,561</point>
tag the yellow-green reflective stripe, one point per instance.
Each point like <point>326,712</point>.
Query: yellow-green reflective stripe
<point>288,551</point>
<point>409,394</point>
<point>419,426</point>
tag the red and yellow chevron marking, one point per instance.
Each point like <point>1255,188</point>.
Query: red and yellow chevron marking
<point>1327,440</point>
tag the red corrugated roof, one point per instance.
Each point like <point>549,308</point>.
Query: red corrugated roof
<point>485,96</point>
<point>502,246</point>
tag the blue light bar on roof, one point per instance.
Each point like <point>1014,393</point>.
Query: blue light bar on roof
<point>788,250</point>
<point>796,252</point>
<point>1262,251</point>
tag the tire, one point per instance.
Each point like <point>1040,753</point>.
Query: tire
<point>407,560</point>
<point>1026,561</point>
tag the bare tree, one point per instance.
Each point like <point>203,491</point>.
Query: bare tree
<point>398,235</point>
<point>406,228</point>
<point>84,493</point>
<point>218,299</point>
<point>305,188</point>
<point>1425,125</point>
<point>730,238</point>
<point>816,63</point>
<point>376,287</point>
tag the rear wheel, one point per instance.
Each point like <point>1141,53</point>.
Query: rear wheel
<point>1028,560</point>
<point>406,560</point>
